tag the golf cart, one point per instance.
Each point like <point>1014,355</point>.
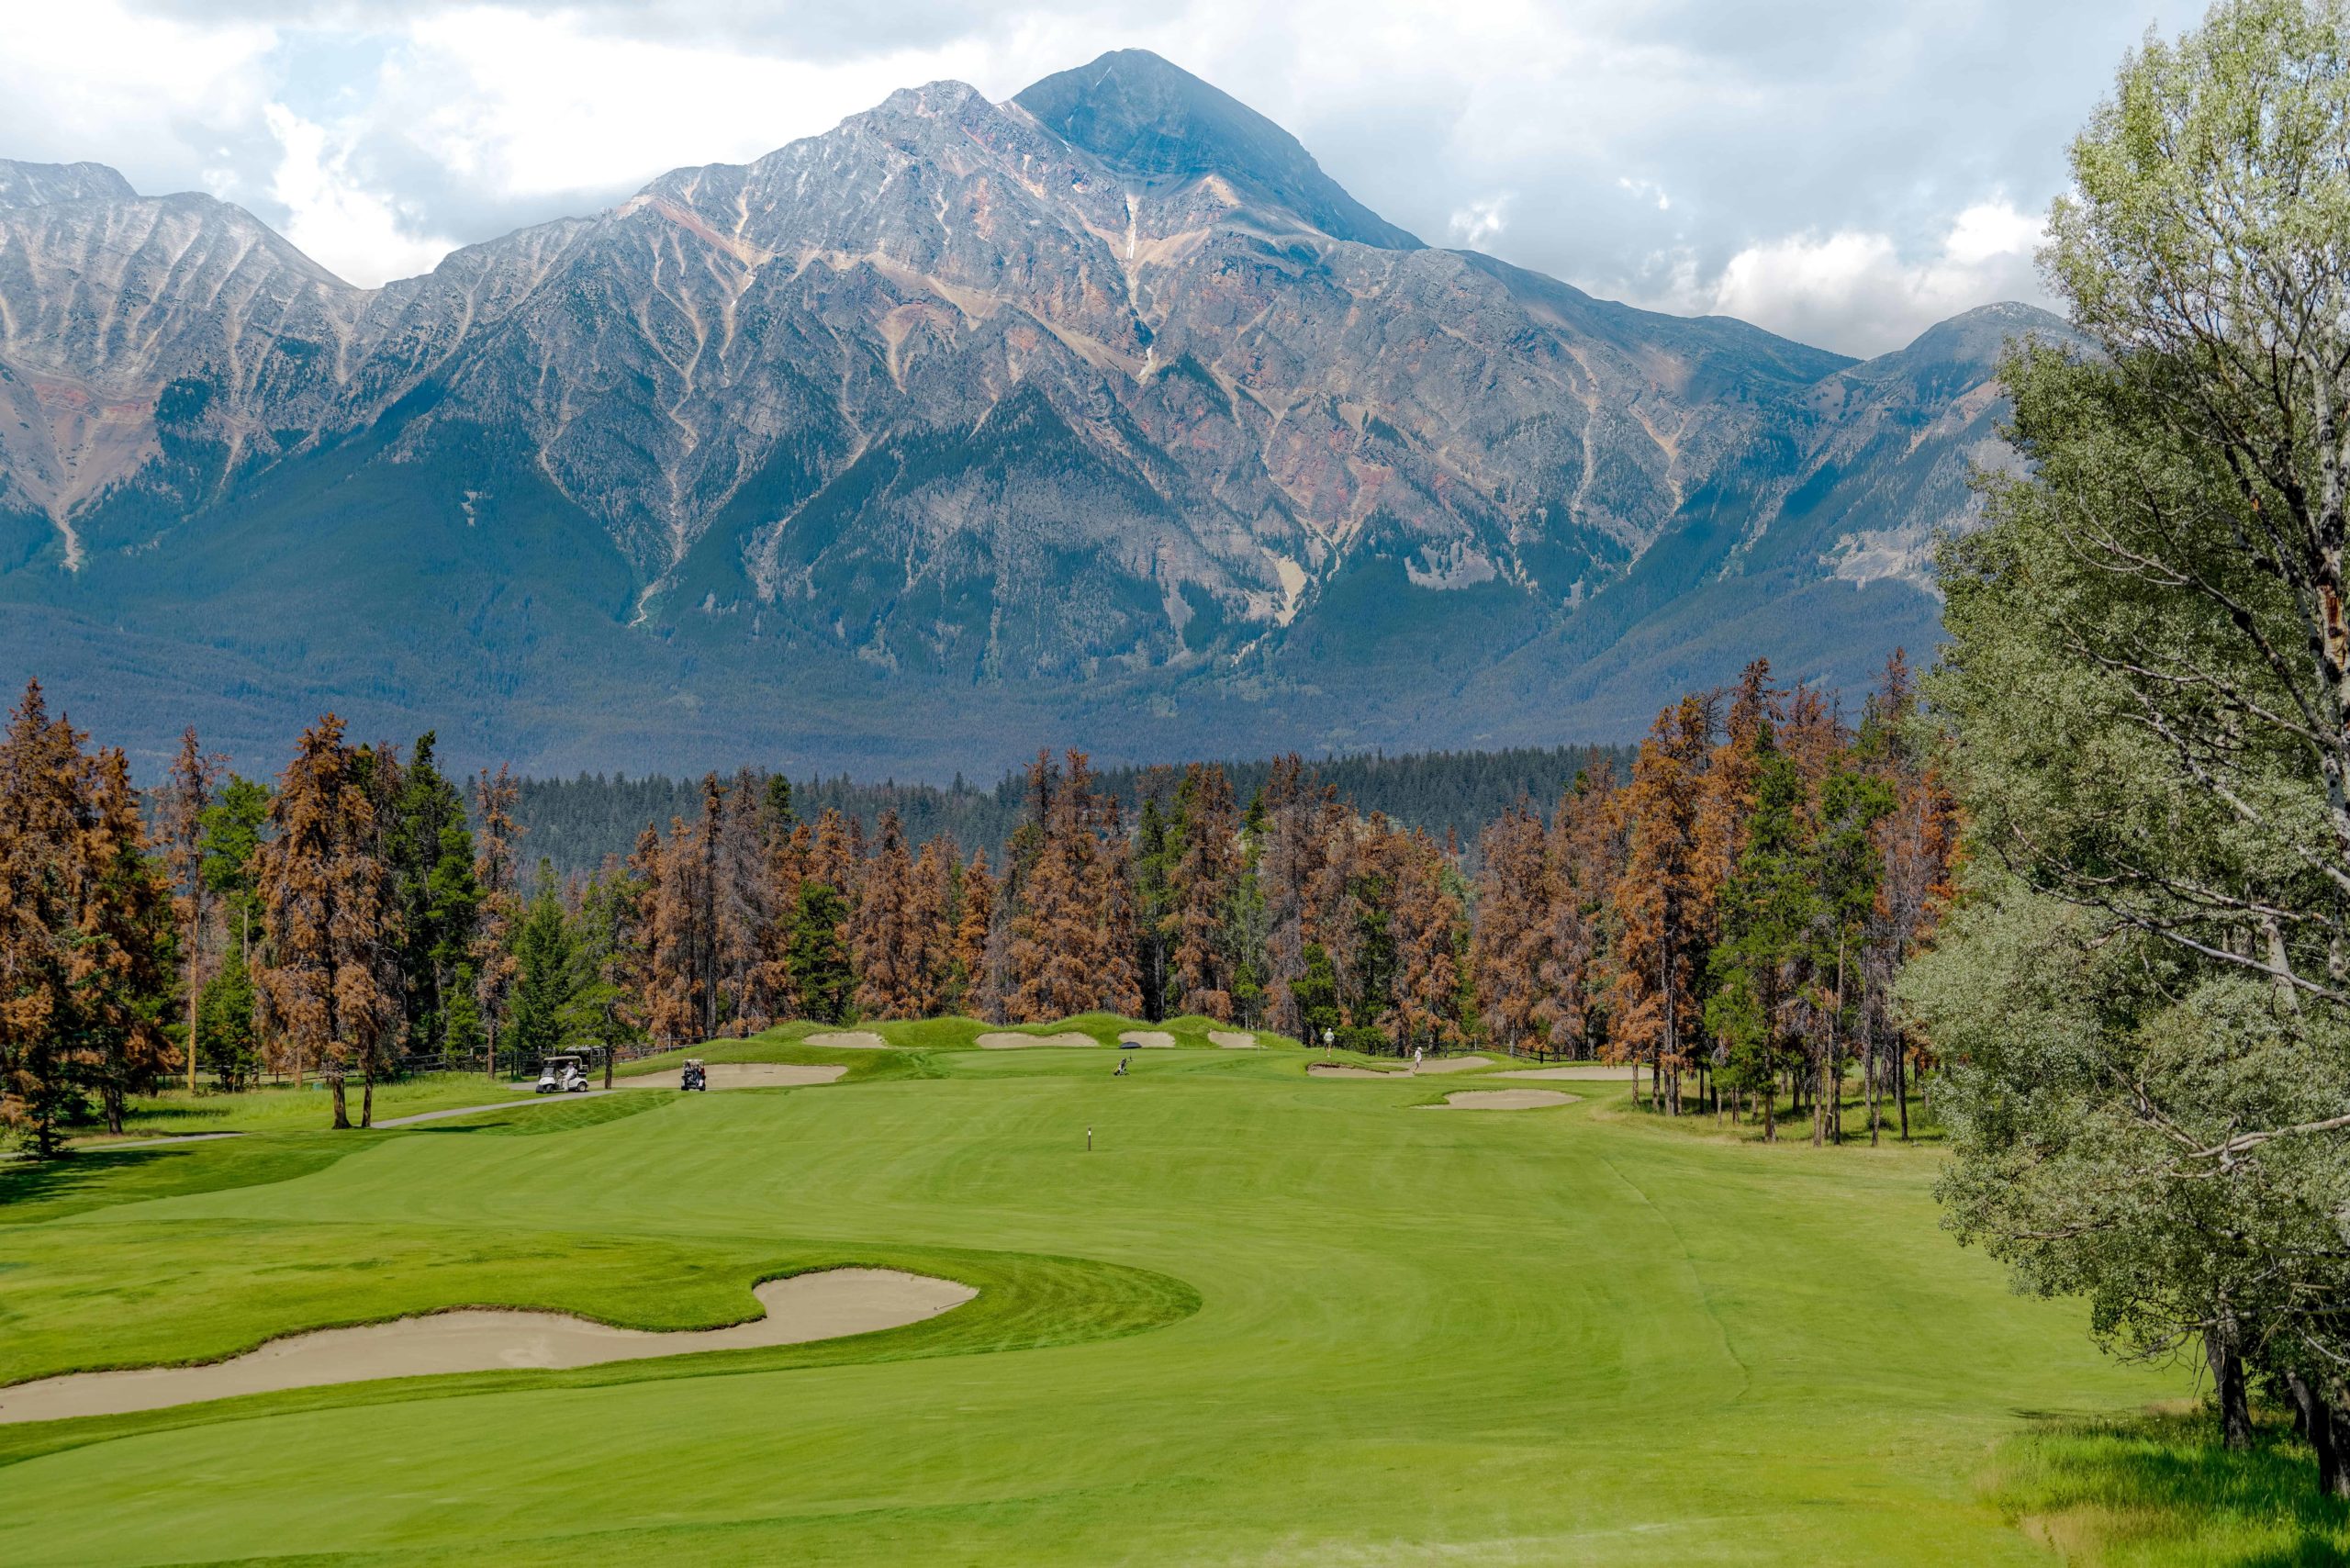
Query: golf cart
<point>562,1075</point>
<point>695,1076</point>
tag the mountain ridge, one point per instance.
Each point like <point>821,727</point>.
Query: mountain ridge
<point>1094,415</point>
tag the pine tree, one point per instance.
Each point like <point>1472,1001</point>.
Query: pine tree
<point>1514,898</point>
<point>1586,856</point>
<point>789,852</point>
<point>935,876</point>
<point>225,1023</point>
<point>674,1000</point>
<point>1919,843</point>
<point>1202,878</point>
<point>1072,928</point>
<point>741,911</point>
<point>497,887</point>
<point>44,818</point>
<point>822,976</point>
<point>123,947</point>
<point>429,864</point>
<point>1429,925</point>
<point>887,935</point>
<point>1663,901</point>
<point>186,798</point>
<point>1155,919</point>
<point>559,997</point>
<point>233,827</point>
<point>322,894</point>
<point>1769,910</point>
<point>974,922</point>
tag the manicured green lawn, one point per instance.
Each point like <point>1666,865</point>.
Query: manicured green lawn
<point>1268,1320</point>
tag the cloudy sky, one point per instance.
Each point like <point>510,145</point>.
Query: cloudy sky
<point>1846,172</point>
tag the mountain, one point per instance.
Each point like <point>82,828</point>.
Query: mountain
<point>1099,415</point>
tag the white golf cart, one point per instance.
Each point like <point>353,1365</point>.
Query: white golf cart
<point>562,1075</point>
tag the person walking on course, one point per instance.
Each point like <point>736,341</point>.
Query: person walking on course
<point>1418,1054</point>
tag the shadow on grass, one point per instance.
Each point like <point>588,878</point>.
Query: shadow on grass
<point>32,1191</point>
<point>2158,1490</point>
<point>76,1175</point>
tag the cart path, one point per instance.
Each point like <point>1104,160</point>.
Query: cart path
<point>476,1110</point>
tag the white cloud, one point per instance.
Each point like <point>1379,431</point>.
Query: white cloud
<point>333,218</point>
<point>1478,223</point>
<point>1853,290</point>
<point>1797,143</point>
<point>1645,190</point>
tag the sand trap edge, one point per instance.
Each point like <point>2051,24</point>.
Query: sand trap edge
<point>825,1303</point>
<point>1502,1100</point>
<point>1005,1041</point>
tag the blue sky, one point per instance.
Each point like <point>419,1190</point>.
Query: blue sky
<point>1844,173</point>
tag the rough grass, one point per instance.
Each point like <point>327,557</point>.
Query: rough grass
<point>1265,1320</point>
<point>2155,1491</point>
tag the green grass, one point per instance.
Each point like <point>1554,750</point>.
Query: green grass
<point>2154,1491</point>
<point>1270,1319</point>
<point>283,1108</point>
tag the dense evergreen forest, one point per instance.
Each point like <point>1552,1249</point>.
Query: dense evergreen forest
<point>573,824</point>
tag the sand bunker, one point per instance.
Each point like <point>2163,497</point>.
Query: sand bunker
<point>1009,1042</point>
<point>1148,1039</point>
<point>1332,1070</point>
<point>740,1075</point>
<point>1581,1072</point>
<point>848,1040</point>
<point>1452,1064</point>
<point>1501,1100</point>
<point>1234,1040</point>
<point>806,1306</point>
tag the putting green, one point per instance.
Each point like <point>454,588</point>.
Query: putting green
<point>1267,1320</point>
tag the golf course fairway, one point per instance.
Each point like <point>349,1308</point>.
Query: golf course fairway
<point>1269,1319</point>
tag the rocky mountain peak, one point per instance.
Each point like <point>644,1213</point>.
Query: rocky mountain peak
<point>42,184</point>
<point>1157,125</point>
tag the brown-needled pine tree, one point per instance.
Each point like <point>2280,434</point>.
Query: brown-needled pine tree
<point>322,898</point>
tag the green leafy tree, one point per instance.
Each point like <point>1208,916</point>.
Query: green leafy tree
<point>2149,686</point>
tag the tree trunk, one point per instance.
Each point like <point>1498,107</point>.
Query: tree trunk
<point>2228,1384</point>
<point>342,1116</point>
<point>2323,1426</point>
<point>112,1098</point>
<point>367,1097</point>
<point>1869,1072</point>
<point>191,1018</point>
<point>1901,1082</point>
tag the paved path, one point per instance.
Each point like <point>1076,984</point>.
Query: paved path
<point>471,1110</point>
